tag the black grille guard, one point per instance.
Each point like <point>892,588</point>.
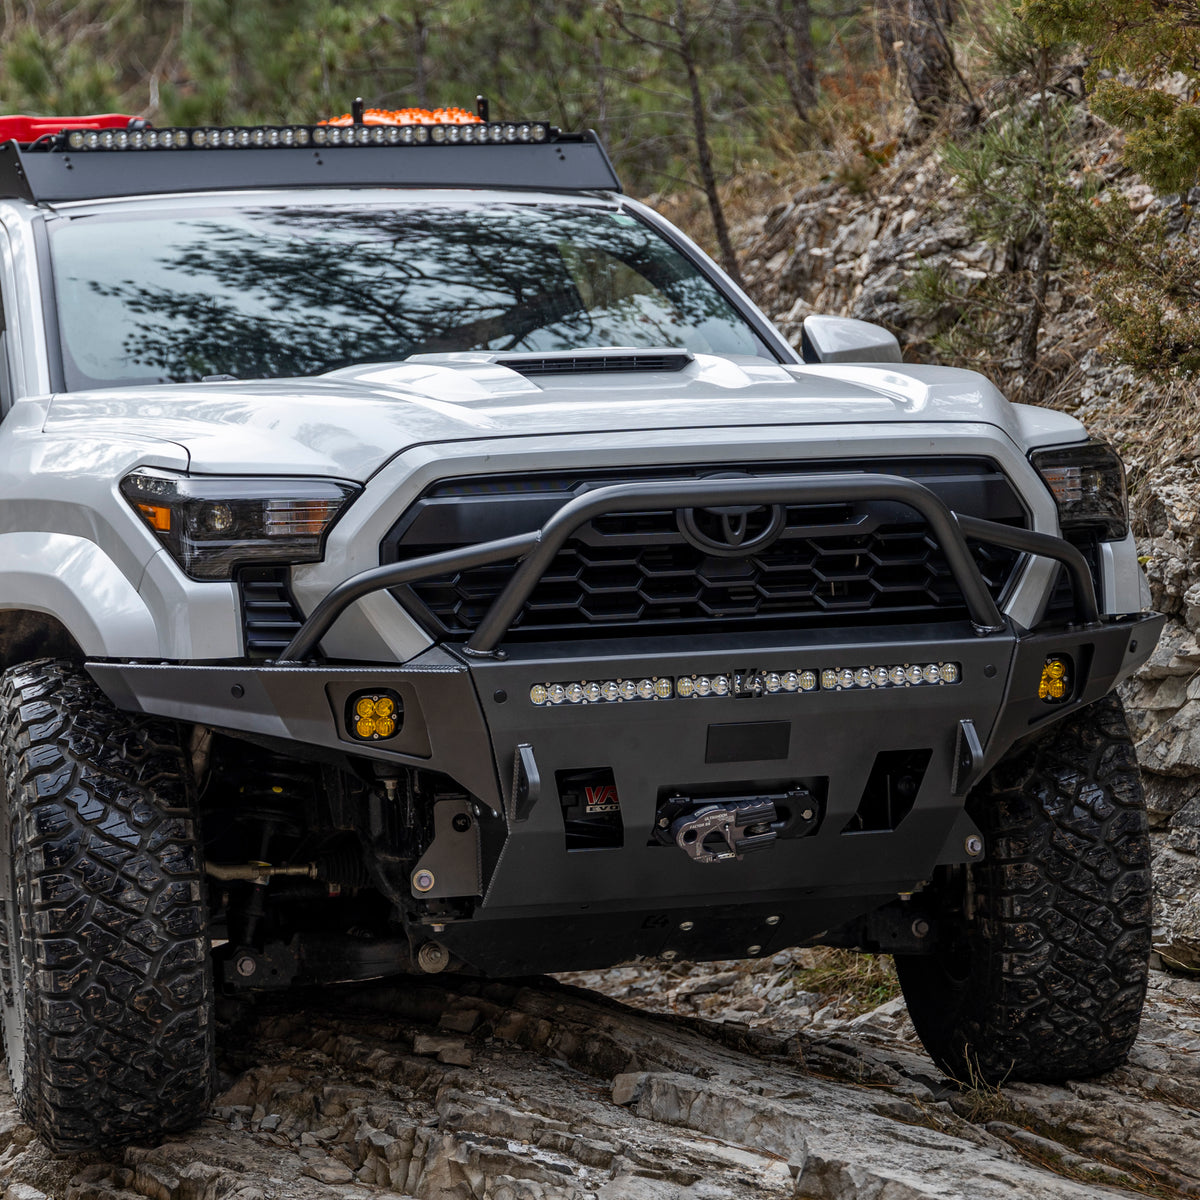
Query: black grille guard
<point>536,549</point>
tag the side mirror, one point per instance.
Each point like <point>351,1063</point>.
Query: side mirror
<point>845,340</point>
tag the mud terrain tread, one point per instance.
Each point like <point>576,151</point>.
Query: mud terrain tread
<point>1059,949</point>
<point>117,988</point>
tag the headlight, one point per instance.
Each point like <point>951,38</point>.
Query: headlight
<point>1088,483</point>
<point>212,524</point>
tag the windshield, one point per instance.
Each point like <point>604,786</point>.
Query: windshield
<point>297,290</point>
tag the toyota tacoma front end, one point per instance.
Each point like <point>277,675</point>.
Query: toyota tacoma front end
<point>415,556</point>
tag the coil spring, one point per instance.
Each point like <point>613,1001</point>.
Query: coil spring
<point>272,788</point>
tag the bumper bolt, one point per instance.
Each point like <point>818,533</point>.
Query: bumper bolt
<point>433,957</point>
<point>753,950</point>
<point>461,823</point>
<point>773,920</point>
<point>973,845</point>
<point>669,955</point>
<point>920,927</point>
<point>246,966</point>
<point>686,926</point>
<point>423,881</point>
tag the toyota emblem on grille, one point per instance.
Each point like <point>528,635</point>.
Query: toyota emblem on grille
<point>732,530</point>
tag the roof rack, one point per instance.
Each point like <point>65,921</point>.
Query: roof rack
<point>84,162</point>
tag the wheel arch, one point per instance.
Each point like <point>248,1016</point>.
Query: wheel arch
<point>63,596</point>
<point>26,634</point>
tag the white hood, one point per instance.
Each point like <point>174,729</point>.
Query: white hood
<point>350,423</point>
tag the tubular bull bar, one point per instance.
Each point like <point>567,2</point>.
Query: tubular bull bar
<point>537,548</point>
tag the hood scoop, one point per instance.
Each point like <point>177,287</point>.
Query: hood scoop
<point>595,362</point>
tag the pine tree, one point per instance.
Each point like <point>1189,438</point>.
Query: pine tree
<point>1145,267</point>
<point>1154,44</point>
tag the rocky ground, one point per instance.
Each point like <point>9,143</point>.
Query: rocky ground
<point>454,1090</point>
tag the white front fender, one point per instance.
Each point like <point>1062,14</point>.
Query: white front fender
<point>74,581</point>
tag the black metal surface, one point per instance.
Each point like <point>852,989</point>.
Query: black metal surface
<point>854,564</point>
<point>591,364</point>
<point>1102,655</point>
<point>270,618</point>
<point>696,932</point>
<point>658,749</point>
<point>540,547</point>
<point>767,490</point>
<point>451,864</point>
<point>378,578</point>
<point>1061,605</point>
<point>477,718</point>
<point>301,708</point>
<point>575,162</point>
<point>1029,542</point>
<point>748,741</point>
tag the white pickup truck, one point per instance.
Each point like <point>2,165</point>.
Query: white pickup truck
<point>417,556</point>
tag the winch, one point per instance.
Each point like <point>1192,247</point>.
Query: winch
<point>717,830</point>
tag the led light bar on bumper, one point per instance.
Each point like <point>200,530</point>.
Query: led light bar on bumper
<point>211,524</point>
<point>743,683</point>
<point>1088,483</point>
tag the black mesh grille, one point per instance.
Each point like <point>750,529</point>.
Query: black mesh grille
<point>270,618</point>
<point>636,573</point>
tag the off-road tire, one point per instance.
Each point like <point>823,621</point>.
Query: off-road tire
<point>107,989</point>
<point>1045,979</point>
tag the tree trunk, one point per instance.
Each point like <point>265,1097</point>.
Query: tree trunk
<point>1031,322</point>
<point>928,63</point>
<point>708,176</point>
<point>793,26</point>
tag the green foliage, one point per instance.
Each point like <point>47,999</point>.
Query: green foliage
<point>1009,171</point>
<point>197,61</point>
<point>1144,274</point>
<point>756,64</point>
<point>1163,142</point>
<point>1150,42</point>
<point>1146,280</point>
<point>974,321</point>
<point>57,76</point>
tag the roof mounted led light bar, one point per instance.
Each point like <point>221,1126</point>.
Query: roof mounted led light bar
<point>287,137</point>
<point>97,158</point>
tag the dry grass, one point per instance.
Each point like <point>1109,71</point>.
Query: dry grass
<point>856,982</point>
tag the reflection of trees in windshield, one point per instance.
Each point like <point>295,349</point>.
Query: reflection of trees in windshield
<point>300,290</point>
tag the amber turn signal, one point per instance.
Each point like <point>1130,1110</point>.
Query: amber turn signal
<point>158,517</point>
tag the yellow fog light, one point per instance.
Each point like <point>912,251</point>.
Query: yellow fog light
<point>1055,685</point>
<point>372,716</point>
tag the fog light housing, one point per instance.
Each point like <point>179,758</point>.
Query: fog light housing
<point>374,716</point>
<point>1056,682</point>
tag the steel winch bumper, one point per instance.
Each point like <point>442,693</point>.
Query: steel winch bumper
<point>541,901</point>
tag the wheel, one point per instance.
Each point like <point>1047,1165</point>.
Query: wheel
<point>107,987</point>
<point>1041,966</point>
